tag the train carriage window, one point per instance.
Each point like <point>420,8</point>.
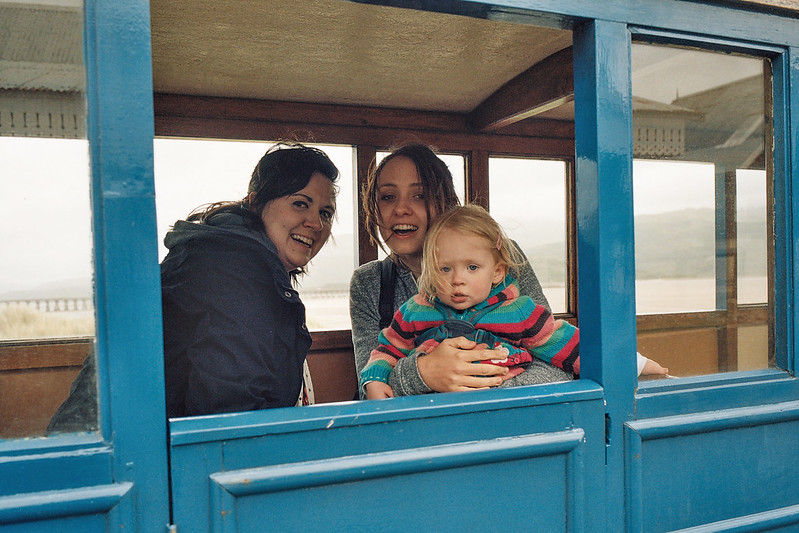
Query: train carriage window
<point>47,320</point>
<point>190,173</point>
<point>536,219</point>
<point>701,204</point>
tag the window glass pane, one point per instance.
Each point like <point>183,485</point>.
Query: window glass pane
<point>191,173</point>
<point>47,319</point>
<point>752,237</point>
<point>700,200</point>
<point>674,203</point>
<point>528,198</point>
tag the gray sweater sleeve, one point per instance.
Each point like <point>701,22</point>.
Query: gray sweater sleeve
<point>365,314</point>
<point>364,311</point>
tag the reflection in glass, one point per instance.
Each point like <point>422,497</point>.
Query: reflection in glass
<point>700,199</point>
<point>190,173</point>
<point>536,220</point>
<point>46,301</point>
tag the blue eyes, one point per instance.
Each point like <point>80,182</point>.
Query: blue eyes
<point>471,268</point>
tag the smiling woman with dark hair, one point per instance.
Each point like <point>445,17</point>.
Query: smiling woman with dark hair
<point>234,328</point>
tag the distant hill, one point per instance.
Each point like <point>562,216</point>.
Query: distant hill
<point>677,244</point>
<point>668,245</point>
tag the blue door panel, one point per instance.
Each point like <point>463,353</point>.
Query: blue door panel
<point>710,393</point>
<point>54,468</point>
<point>542,461</point>
<point>714,467</point>
<point>79,509</point>
<point>68,524</point>
<point>534,479</point>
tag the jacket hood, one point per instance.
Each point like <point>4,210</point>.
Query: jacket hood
<point>221,224</point>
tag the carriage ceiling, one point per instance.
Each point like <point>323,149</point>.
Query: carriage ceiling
<point>337,52</point>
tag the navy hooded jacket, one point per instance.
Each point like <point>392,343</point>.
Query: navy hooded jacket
<point>234,329</point>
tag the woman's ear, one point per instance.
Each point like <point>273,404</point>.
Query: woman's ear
<point>251,197</point>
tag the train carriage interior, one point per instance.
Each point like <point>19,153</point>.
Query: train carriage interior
<point>484,86</point>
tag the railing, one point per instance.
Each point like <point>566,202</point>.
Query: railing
<point>51,304</point>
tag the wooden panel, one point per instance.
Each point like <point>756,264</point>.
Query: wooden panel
<point>247,119</point>
<point>685,352</point>
<point>346,491</point>
<point>242,470</point>
<point>30,398</point>
<point>42,354</point>
<point>35,377</point>
<point>525,96</point>
<point>333,375</point>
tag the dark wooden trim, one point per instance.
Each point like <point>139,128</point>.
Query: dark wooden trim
<point>571,239</point>
<point>230,118</point>
<point>222,128</point>
<point>748,315</point>
<point>43,353</point>
<point>364,159</point>
<point>477,177</point>
<point>331,340</point>
<point>525,96</point>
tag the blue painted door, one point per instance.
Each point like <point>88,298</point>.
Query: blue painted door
<point>113,479</point>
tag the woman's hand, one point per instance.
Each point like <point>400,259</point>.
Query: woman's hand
<point>652,368</point>
<point>376,390</point>
<point>449,367</point>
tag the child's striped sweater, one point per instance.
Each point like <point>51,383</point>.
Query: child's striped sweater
<point>510,321</point>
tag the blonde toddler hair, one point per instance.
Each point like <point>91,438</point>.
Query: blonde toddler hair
<point>472,219</point>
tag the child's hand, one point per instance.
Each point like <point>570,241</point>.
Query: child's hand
<point>376,390</point>
<point>651,368</point>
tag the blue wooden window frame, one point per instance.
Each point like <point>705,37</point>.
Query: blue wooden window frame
<point>715,388</point>
<point>122,469</point>
<point>130,451</point>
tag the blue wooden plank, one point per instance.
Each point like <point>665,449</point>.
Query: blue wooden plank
<point>215,428</point>
<point>306,474</point>
<point>715,467</point>
<point>786,195</point>
<point>742,21</point>
<point>606,272</point>
<point>60,468</point>
<point>127,281</point>
<point>41,506</point>
<point>774,520</point>
<point>717,391</point>
<point>352,437</point>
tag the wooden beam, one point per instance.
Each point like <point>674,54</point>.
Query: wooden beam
<point>544,86</point>
<point>186,115</point>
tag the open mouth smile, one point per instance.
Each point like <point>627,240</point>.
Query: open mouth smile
<point>303,240</point>
<point>404,229</point>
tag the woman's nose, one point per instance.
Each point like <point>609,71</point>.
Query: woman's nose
<point>403,206</point>
<point>314,221</point>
